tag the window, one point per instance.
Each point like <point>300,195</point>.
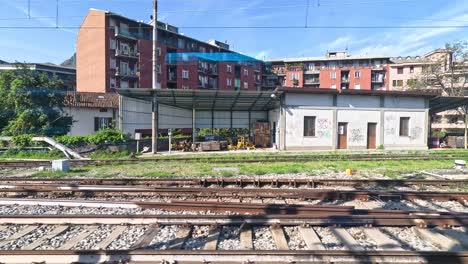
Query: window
<point>309,126</point>
<point>102,123</point>
<point>357,74</point>
<point>113,44</point>
<point>228,82</point>
<point>228,68</point>
<point>411,69</point>
<point>185,87</point>
<point>158,68</point>
<point>180,43</point>
<point>185,74</point>
<point>113,63</point>
<point>333,75</point>
<point>404,126</point>
<point>202,49</point>
<point>159,51</point>
<point>333,86</point>
<point>400,70</point>
<point>294,76</point>
<point>246,85</point>
<point>357,87</point>
<point>112,82</point>
<point>246,72</point>
<point>397,83</point>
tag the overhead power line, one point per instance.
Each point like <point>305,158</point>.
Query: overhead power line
<point>252,27</point>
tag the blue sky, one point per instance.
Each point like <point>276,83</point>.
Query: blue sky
<point>55,45</point>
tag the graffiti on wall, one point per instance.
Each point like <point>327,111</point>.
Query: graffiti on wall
<point>415,133</point>
<point>323,128</point>
<point>356,135</point>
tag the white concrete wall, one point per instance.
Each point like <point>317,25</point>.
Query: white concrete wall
<point>417,130</point>
<point>309,100</point>
<point>356,101</point>
<point>357,126</point>
<point>274,117</point>
<point>295,139</point>
<point>404,102</point>
<point>84,119</point>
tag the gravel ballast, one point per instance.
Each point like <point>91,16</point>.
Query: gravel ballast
<point>262,239</point>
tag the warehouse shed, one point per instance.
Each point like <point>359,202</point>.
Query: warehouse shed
<point>301,119</point>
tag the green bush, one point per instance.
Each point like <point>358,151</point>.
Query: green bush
<point>22,141</point>
<point>72,141</point>
<point>102,136</point>
<point>106,135</point>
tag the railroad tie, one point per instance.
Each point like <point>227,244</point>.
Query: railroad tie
<point>383,241</point>
<point>57,231</point>
<point>460,236</point>
<point>246,241</point>
<point>145,240</point>
<point>76,239</point>
<point>443,242</point>
<point>345,237</point>
<point>311,238</point>
<point>182,235</point>
<point>22,232</point>
<point>279,238</point>
<point>212,239</point>
<point>111,237</point>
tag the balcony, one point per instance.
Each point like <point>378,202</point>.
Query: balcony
<point>171,77</point>
<point>132,54</point>
<point>127,73</point>
<point>377,79</point>
<point>123,33</point>
<point>345,79</point>
<point>312,81</point>
<point>279,71</point>
<point>213,71</point>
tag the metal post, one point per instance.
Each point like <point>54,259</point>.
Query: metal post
<point>194,127</point>
<point>154,114</point>
<point>250,120</point>
<point>170,140</point>
<point>154,131</point>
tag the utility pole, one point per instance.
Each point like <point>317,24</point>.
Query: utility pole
<point>154,115</point>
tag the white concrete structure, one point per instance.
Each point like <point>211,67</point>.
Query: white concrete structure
<point>301,119</point>
<point>358,112</point>
<point>90,111</point>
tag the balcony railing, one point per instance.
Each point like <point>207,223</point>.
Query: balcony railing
<point>126,73</point>
<point>129,54</point>
<point>119,32</point>
<point>377,79</point>
<point>312,81</point>
<point>345,79</point>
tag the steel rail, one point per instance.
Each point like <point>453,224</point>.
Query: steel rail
<point>234,181</point>
<point>321,194</point>
<point>231,257</point>
<point>380,220</point>
<point>223,207</point>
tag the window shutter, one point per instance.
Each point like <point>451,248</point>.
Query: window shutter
<point>96,123</point>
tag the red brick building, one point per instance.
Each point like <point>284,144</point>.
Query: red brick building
<point>116,52</point>
<point>336,70</point>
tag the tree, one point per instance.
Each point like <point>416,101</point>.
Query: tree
<point>31,103</point>
<point>447,71</point>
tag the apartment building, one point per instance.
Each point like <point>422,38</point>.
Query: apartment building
<point>336,70</point>
<point>66,74</point>
<point>116,52</point>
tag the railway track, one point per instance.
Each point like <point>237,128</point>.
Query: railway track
<point>235,182</point>
<point>231,239</point>
<point>292,158</point>
<point>73,190</point>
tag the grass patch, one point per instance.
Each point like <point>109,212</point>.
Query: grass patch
<point>19,154</point>
<point>102,155</point>
<point>390,168</point>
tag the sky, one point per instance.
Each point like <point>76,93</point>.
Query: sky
<point>401,27</point>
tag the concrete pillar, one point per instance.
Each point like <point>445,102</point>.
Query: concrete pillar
<point>335,129</point>
<point>382,121</point>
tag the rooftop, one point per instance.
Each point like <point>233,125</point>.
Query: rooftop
<point>325,58</point>
<point>91,100</point>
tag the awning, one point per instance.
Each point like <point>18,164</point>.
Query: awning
<point>442,103</point>
<point>218,100</point>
